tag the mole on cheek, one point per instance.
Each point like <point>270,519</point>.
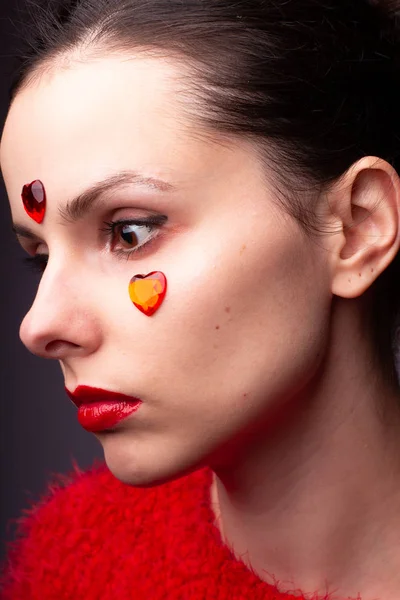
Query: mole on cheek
<point>227,309</point>
<point>217,327</point>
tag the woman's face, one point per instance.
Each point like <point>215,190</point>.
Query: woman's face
<point>244,321</point>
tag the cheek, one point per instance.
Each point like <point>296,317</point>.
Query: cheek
<point>251,323</point>
<point>263,313</point>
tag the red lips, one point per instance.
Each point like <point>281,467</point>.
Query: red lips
<point>101,410</point>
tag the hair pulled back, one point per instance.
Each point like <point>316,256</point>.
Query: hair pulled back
<point>315,82</point>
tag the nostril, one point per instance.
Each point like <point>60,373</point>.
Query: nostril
<point>59,346</point>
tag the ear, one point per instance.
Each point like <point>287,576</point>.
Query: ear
<point>365,206</point>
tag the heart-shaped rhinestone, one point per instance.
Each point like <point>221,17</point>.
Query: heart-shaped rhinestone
<point>148,291</point>
<point>34,199</point>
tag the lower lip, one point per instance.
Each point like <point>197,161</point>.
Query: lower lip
<point>100,416</point>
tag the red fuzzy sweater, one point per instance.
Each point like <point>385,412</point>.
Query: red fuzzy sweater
<point>98,539</point>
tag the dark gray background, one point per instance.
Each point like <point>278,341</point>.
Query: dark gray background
<point>39,432</point>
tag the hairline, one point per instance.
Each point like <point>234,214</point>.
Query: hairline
<point>94,46</point>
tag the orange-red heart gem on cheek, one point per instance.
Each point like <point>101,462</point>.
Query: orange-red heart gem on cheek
<point>148,291</point>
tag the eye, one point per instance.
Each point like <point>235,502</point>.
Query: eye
<point>131,236</point>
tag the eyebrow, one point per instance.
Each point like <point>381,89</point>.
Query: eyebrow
<point>80,206</point>
<point>84,203</point>
<point>24,232</point>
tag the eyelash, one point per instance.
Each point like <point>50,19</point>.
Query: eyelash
<point>39,261</point>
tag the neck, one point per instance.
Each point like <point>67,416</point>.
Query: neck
<point>314,501</point>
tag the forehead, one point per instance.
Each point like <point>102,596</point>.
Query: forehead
<point>76,125</point>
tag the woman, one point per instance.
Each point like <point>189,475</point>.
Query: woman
<point>210,190</point>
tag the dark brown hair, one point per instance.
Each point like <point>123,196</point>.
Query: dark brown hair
<point>316,80</point>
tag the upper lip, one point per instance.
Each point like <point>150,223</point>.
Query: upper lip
<point>85,394</point>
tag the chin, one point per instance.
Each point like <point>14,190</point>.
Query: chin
<point>146,464</point>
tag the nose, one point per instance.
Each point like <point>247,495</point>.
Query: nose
<point>61,323</point>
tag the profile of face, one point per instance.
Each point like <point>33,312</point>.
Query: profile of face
<point>133,186</point>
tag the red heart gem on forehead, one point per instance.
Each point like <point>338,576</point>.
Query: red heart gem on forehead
<point>34,200</point>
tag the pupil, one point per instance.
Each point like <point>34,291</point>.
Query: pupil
<point>128,236</point>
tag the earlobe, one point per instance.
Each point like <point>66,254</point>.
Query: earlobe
<point>367,206</point>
